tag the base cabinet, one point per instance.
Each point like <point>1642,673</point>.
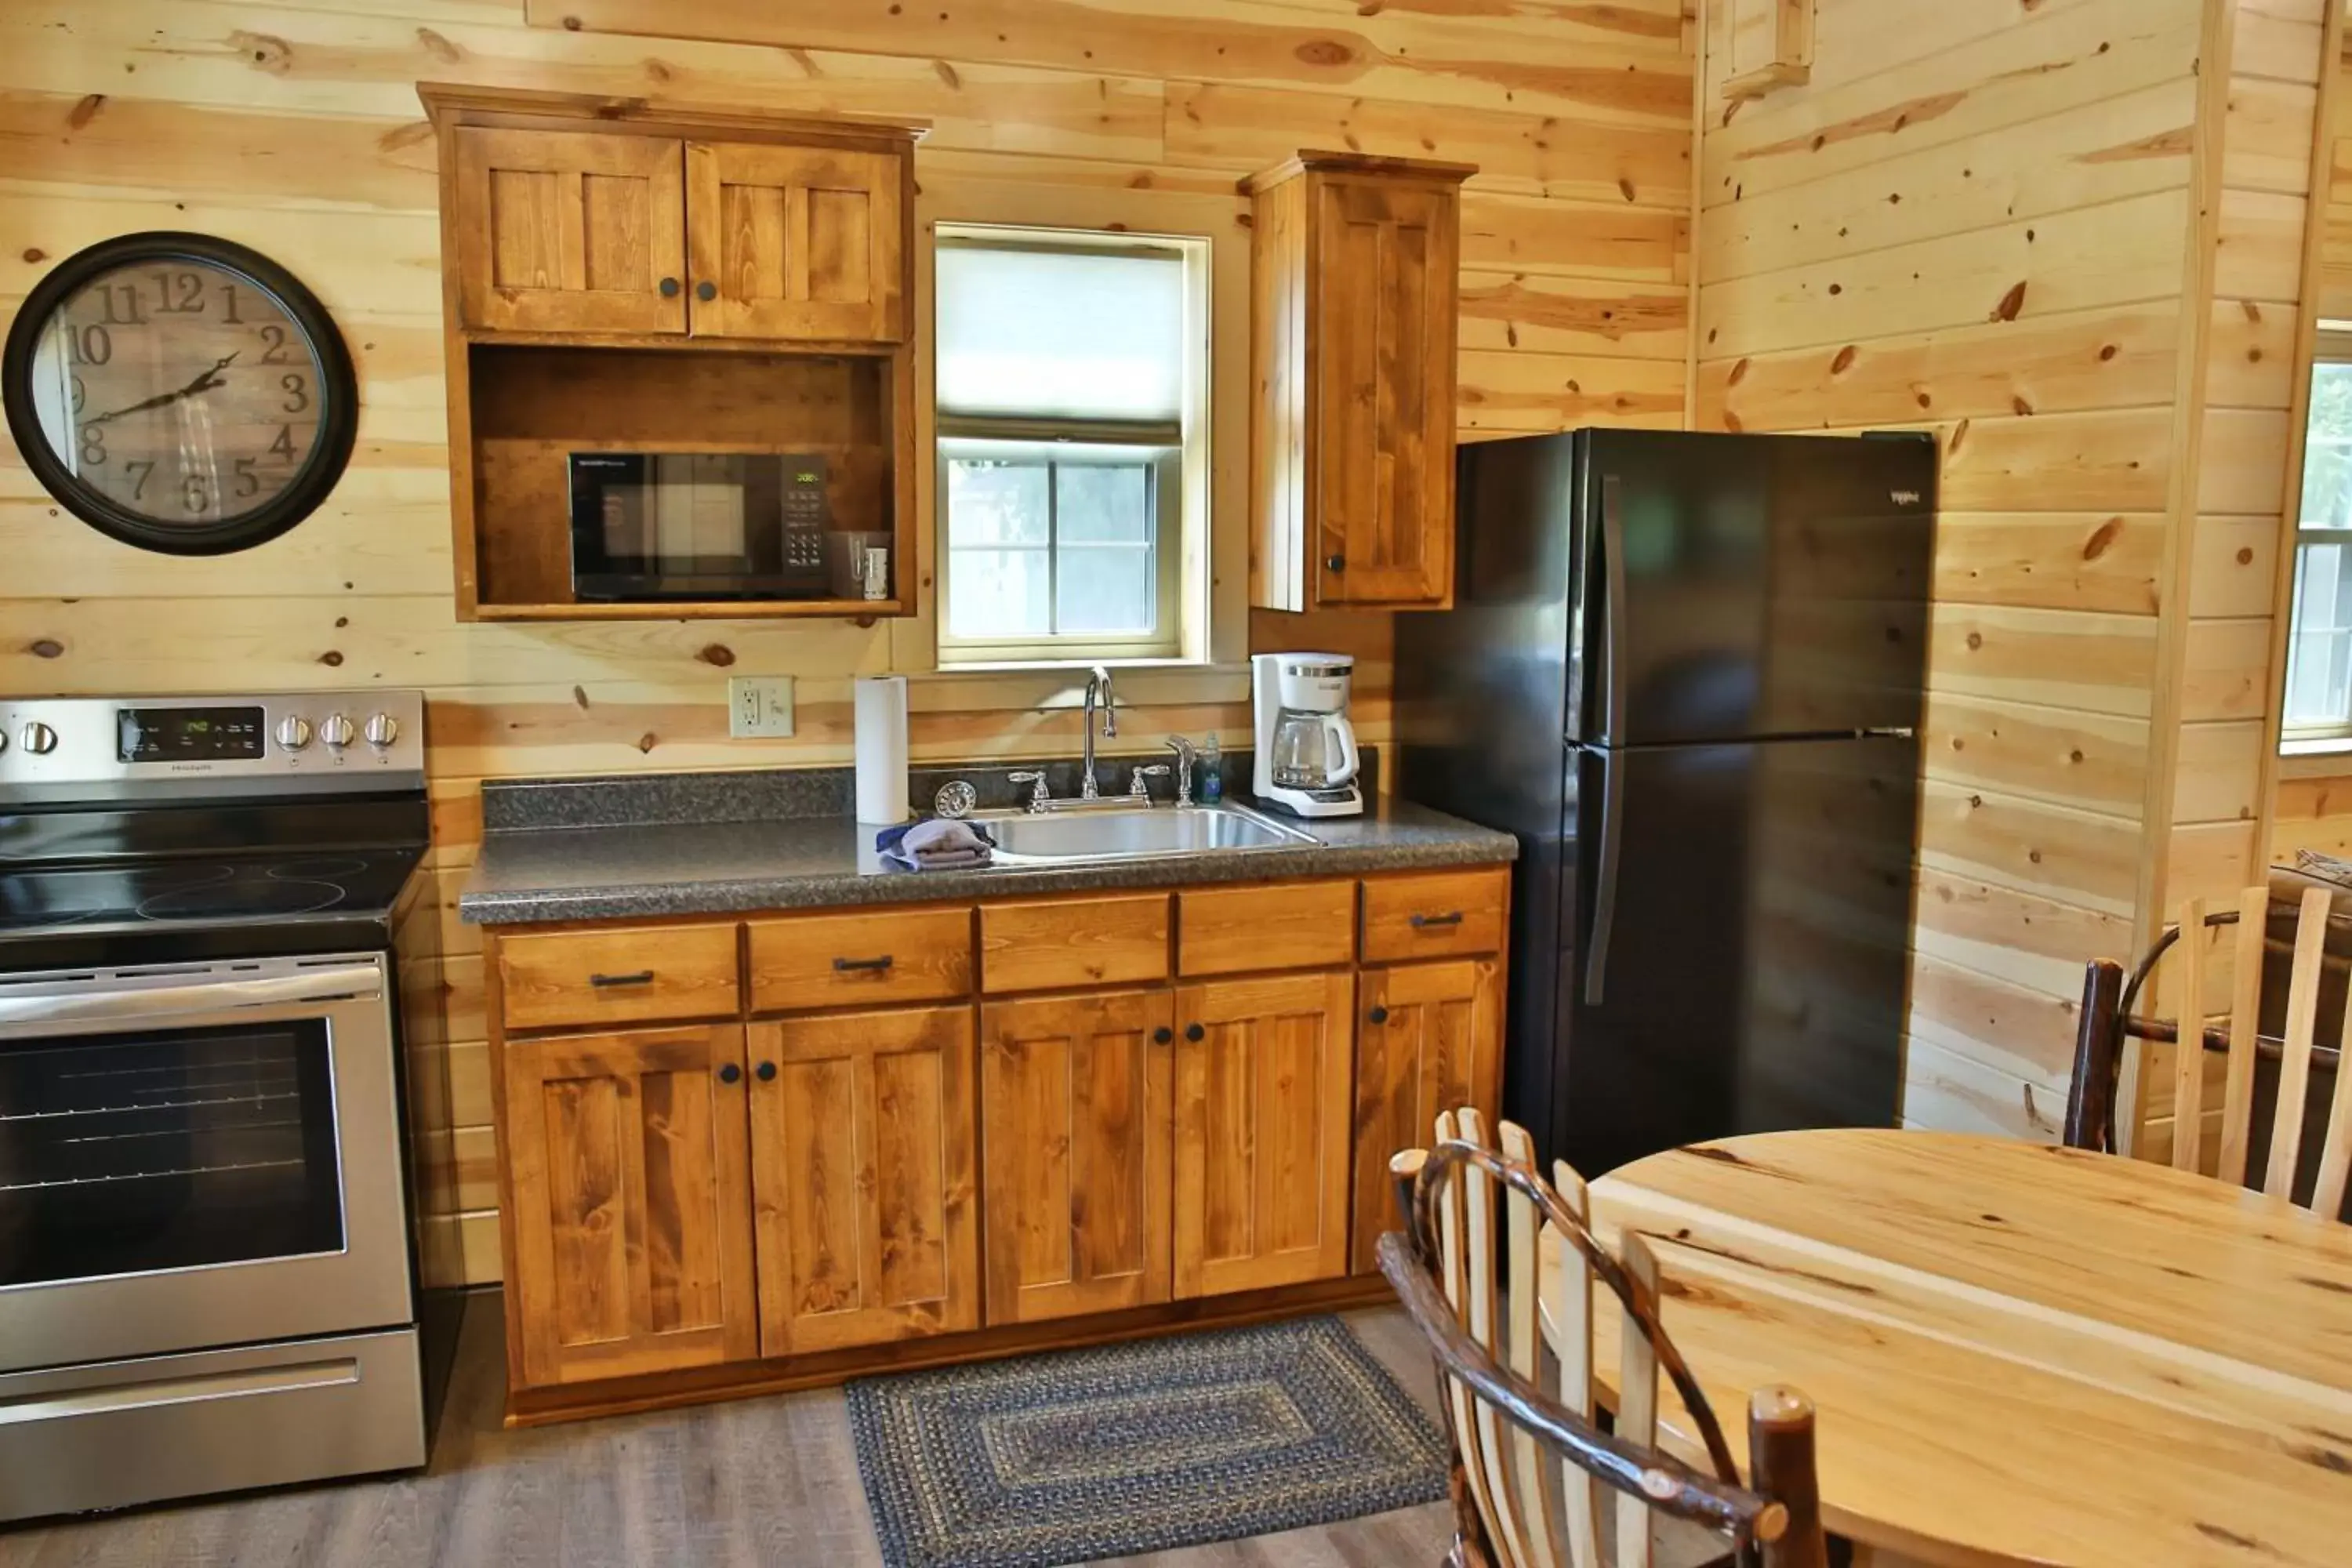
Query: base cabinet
<point>1075,1123</point>
<point>863,1178</point>
<point>1428,1038</point>
<point>1263,1074</point>
<point>629,1199</point>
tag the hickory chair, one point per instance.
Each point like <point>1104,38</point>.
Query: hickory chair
<point>1527,1467</point>
<point>2108,1018</point>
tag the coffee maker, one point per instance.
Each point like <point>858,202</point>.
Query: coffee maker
<point>1307,761</point>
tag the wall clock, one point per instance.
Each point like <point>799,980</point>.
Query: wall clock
<point>179,393</point>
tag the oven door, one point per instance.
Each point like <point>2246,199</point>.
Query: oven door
<point>197,1155</point>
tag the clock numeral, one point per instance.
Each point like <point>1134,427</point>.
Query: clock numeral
<point>139,468</point>
<point>80,395</point>
<point>228,305</point>
<point>273,337</point>
<point>92,344</point>
<point>248,483</point>
<point>120,302</point>
<point>193,493</point>
<point>93,445</point>
<point>179,293</point>
<point>282,448</point>
<point>298,393</point>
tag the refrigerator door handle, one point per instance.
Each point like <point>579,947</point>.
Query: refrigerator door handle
<point>1604,888</point>
<point>1613,611</point>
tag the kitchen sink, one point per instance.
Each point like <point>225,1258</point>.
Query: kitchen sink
<point>1131,833</point>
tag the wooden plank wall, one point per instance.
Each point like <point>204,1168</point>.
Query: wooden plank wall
<point>293,126</point>
<point>1972,220</point>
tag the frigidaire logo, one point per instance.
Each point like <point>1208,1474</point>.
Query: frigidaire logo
<point>1903,498</point>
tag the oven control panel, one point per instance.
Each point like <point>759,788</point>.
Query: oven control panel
<point>308,741</point>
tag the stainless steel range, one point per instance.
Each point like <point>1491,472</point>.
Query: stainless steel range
<point>205,1274</point>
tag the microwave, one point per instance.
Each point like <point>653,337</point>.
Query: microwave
<point>648,526</point>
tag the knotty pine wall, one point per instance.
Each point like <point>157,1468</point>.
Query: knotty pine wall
<point>294,127</point>
<point>1980,219</point>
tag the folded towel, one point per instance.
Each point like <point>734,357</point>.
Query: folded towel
<point>936,844</point>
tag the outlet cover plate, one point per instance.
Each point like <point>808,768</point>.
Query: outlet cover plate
<point>760,707</point>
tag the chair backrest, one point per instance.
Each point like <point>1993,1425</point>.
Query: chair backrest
<point>2280,1094</point>
<point>1531,1465</point>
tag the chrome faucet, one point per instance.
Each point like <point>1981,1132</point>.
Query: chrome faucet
<point>1186,754</point>
<point>1097,689</point>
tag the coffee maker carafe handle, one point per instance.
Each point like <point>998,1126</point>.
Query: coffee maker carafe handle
<point>1343,740</point>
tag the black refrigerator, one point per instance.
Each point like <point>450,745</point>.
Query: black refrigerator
<point>1687,670</point>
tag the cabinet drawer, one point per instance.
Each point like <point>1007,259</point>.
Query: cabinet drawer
<point>621,976</point>
<point>1436,915</point>
<point>1061,944</point>
<point>850,961</point>
<point>1296,925</point>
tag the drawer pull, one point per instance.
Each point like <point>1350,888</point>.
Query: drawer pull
<point>1451,918</point>
<point>1378,1014</point>
<point>730,1073</point>
<point>641,978</point>
<point>1194,1032</point>
<point>1162,1034</point>
<point>852,965</point>
<point>767,1071</point>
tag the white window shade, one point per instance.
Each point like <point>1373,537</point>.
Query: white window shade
<point>1060,335</point>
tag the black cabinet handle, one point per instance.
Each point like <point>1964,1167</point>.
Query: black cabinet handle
<point>1335,563</point>
<point>706,290</point>
<point>1451,918</point>
<point>1194,1032</point>
<point>641,978</point>
<point>1378,1014</point>
<point>730,1073</point>
<point>850,965</point>
<point>767,1071</point>
<point>1162,1034</point>
<point>669,287</point>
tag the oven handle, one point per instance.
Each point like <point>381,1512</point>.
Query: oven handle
<point>363,981</point>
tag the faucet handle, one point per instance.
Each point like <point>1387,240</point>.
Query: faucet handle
<point>1137,788</point>
<point>1038,795</point>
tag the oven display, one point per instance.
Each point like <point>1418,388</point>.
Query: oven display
<point>188,734</point>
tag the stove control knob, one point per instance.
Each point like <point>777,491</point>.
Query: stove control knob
<point>293,732</point>
<point>382,730</point>
<point>40,740</point>
<point>336,732</point>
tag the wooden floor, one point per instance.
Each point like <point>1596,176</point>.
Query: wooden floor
<point>763,1483</point>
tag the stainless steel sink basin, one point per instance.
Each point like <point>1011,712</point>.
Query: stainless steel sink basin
<point>1131,833</point>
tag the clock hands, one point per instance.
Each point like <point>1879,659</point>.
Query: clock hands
<point>205,381</point>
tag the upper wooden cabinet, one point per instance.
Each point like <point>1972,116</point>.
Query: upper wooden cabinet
<point>565,231</point>
<point>798,242</point>
<point>1354,262</point>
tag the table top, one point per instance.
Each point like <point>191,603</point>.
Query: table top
<point>2020,1355</point>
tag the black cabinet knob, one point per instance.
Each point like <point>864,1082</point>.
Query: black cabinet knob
<point>669,287</point>
<point>1162,1035</point>
<point>706,290</point>
<point>730,1073</point>
<point>767,1071</point>
<point>1378,1014</point>
<point>1194,1032</point>
<point>1335,563</point>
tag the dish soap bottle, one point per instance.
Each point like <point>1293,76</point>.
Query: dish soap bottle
<point>1213,778</point>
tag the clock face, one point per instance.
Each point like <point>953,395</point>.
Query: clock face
<point>179,399</point>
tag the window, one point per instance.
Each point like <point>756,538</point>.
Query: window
<point>2319,652</point>
<point>1070,389</point>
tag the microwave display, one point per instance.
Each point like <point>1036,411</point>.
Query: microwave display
<point>699,525</point>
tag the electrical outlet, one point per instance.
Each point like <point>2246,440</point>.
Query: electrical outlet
<point>758,706</point>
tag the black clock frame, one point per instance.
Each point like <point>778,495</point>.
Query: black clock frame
<point>339,410</point>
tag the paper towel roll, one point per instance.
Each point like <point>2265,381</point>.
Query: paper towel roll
<point>882,748</point>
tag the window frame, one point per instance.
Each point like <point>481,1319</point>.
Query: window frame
<point>2334,347</point>
<point>1180,506</point>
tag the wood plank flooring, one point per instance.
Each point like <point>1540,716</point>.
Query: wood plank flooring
<point>758,1483</point>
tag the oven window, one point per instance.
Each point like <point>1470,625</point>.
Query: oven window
<point>167,1149</point>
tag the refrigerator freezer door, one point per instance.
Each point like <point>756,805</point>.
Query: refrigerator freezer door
<point>1758,931</point>
<point>1740,586</point>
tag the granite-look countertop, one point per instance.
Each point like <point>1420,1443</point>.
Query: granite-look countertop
<point>724,863</point>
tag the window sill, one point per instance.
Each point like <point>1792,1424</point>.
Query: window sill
<point>1048,687</point>
<point>2326,758</point>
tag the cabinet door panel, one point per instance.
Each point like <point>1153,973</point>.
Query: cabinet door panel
<point>1262,1105</point>
<point>1384,380</point>
<point>798,242</point>
<point>862,1169</point>
<point>1074,1117</point>
<point>631,1212</point>
<point>570,231</point>
<point>1437,1045</point>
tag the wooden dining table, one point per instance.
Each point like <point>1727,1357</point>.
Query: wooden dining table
<point>2020,1355</point>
